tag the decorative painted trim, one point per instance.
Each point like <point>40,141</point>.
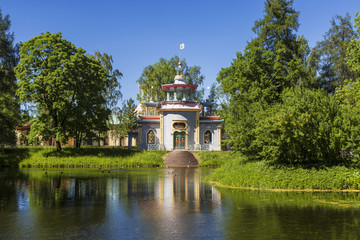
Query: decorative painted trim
<point>219,136</point>
<point>197,140</point>
<point>149,117</point>
<point>179,121</point>
<point>179,110</point>
<point>211,121</point>
<point>161,128</point>
<point>209,117</point>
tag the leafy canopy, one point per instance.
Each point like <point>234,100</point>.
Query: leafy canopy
<point>65,84</point>
<point>163,72</point>
<point>330,54</point>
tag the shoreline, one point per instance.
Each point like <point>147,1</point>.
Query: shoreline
<point>217,184</point>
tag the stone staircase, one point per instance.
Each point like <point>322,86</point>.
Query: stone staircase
<point>181,158</point>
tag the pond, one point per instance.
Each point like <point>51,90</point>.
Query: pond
<point>163,203</point>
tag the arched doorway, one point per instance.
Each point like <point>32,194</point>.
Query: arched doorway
<point>179,140</point>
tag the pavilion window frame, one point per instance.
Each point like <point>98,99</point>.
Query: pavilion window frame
<point>208,137</point>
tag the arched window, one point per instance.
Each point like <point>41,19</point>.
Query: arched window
<point>151,137</point>
<point>207,136</point>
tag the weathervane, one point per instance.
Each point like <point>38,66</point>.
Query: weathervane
<point>182,46</point>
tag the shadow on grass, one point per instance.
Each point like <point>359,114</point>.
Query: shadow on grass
<point>11,157</point>
<point>91,152</point>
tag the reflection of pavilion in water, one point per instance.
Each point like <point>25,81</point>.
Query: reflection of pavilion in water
<point>164,204</point>
<point>185,184</point>
<point>161,200</point>
<point>176,184</point>
<point>178,191</point>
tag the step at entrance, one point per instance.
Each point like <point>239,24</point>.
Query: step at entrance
<point>181,159</point>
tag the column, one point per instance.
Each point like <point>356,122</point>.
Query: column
<point>183,95</point>
<point>161,128</point>
<point>167,94</point>
<point>139,144</point>
<point>197,140</point>
<point>219,136</point>
<point>175,94</point>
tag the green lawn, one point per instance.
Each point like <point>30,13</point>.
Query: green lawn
<point>80,157</point>
<point>236,171</point>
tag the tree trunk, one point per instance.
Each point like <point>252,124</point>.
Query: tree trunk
<point>58,146</point>
<point>78,140</point>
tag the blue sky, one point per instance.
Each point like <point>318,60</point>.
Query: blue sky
<point>138,33</point>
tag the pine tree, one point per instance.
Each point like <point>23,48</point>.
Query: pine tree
<point>272,62</point>
<point>9,108</point>
<point>330,54</point>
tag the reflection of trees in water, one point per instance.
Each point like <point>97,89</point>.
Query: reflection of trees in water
<point>11,190</point>
<point>290,215</point>
<point>77,199</point>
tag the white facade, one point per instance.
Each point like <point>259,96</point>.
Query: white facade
<point>178,123</point>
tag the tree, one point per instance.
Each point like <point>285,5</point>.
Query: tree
<point>330,54</point>
<point>348,96</point>
<point>112,93</point>
<point>212,98</point>
<point>9,108</point>
<point>304,128</point>
<point>124,121</point>
<point>66,85</point>
<point>353,49</point>
<point>276,33</point>
<point>163,72</point>
<point>272,62</point>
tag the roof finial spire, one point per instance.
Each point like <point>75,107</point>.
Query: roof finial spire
<point>182,46</point>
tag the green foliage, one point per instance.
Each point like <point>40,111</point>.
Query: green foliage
<point>348,98</point>
<point>353,49</point>
<point>163,72</point>
<point>214,158</point>
<point>112,91</point>
<point>12,156</point>
<point>9,107</point>
<point>123,121</point>
<point>305,127</point>
<point>272,114</point>
<point>260,175</point>
<point>83,157</point>
<point>331,53</point>
<point>66,85</point>
<point>273,61</point>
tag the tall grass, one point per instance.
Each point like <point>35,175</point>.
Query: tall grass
<point>86,157</point>
<point>215,158</point>
<point>261,175</point>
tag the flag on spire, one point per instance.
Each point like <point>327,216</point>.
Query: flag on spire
<point>182,46</point>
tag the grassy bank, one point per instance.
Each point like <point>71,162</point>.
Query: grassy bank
<point>214,158</point>
<point>82,157</point>
<point>237,172</point>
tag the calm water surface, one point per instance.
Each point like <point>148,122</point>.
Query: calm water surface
<point>163,204</point>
